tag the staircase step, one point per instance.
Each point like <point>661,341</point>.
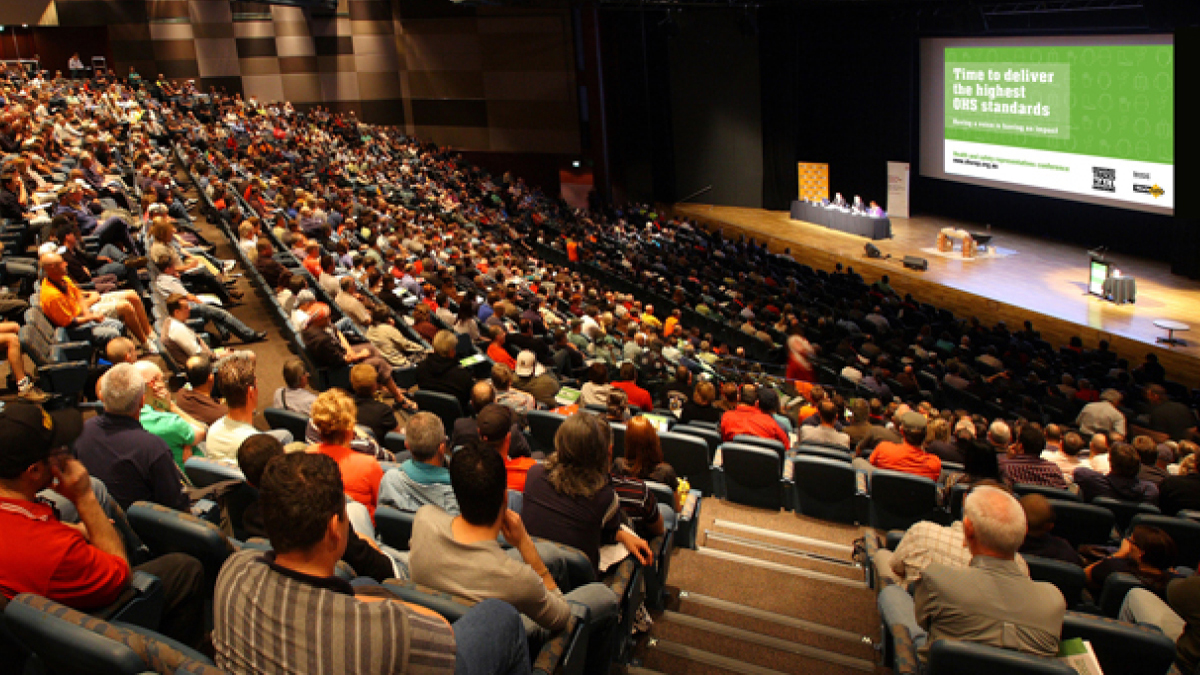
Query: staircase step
<point>687,647</point>
<point>836,656</point>
<point>777,626</point>
<point>782,555</point>
<point>796,567</point>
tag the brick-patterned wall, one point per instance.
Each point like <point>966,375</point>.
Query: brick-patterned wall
<point>486,79</point>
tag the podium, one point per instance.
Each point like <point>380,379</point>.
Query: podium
<point>1103,282</point>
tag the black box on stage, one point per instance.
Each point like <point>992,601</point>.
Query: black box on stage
<point>915,263</point>
<point>872,250</point>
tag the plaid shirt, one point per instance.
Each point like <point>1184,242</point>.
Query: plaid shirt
<point>926,543</point>
<point>1032,470</point>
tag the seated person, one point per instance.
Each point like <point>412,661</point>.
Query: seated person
<point>992,602</point>
<point>11,343</point>
<point>515,399</point>
<point>239,385</point>
<point>295,395</point>
<point>167,285</point>
<point>195,398</point>
<point>441,371</point>
<point>330,349</point>
<point>334,415</point>
<point>373,414</point>
<point>532,378</point>
<point>460,554</point>
<point>496,350</point>
<point>825,433</point>
<point>1024,463</point>
<point>907,456</point>
<point>304,510</point>
<point>627,382</point>
<point>1039,515</point>
<point>1148,553</point>
<point>570,499</point>
<point>134,464</point>
<point>162,418</point>
<point>466,429</point>
<point>245,513</point>
<point>1122,481</point>
<point>82,566</point>
<point>67,306</point>
<point>496,431</point>
<point>748,418</point>
<point>423,479</point>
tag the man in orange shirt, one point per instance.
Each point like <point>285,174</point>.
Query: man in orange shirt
<point>496,350</point>
<point>495,429</point>
<point>65,305</point>
<point>908,456</point>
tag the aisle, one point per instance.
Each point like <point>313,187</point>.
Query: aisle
<point>765,593</point>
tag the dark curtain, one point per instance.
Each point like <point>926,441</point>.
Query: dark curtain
<point>779,65</point>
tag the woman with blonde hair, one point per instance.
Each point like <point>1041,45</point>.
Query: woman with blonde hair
<point>334,415</point>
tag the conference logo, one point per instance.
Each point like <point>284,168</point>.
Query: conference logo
<point>1104,180</point>
<point>1152,190</point>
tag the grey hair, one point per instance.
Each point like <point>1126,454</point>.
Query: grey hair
<point>1000,432</point>
<point>122,389</point>
<point>423,435</point>
<point>997,517</point>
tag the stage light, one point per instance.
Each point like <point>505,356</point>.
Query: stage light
<point>576,163</point>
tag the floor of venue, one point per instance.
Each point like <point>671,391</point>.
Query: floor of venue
<point>764,593</point>
<point>1044,281</point>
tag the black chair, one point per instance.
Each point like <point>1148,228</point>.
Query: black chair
<point>825,488</point>
<point>1116,587</point>
<point>293,422</point>
<point>753,476</point>
<point>897,500</point>
<point>1069,578</point>
<point>826,452</point>
<point>1124,511</point>
<point>165,530</point>
<point>710,436</point>
<point>953,657</point>
<point>688,455</point>
<point>618,439</point>
<point>205,472</point>
<point>769,443</point>
<point>542,427</point>
<point>1023,489</point>
<point>444,406</point>
<point>1185,533</point>
<point>1122,648</point>
<point>394,526</point>
<point>1082,523</point>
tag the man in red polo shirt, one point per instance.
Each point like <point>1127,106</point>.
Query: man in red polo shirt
<point>908,456</point>
<point>83,566</point>
<point>496,430</point>
<point>627,382</point>
<point>748,419</point>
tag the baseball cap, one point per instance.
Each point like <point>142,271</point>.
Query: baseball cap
<point>28,434</point>
<point>913,421</point>
<point>527,364</point>
<point>495,422</point>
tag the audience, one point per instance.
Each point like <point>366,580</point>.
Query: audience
<point>1147,553</point>
<point>1039,518</point>
<point>422,479</point>
<point>907,456</point>
<point>239,386</point>
<point>825,433</point>
<point>1122,481</point>
<point>747,418</point>
<point>441,372</point>
<point>1024,463</point>
<point>334,415</point>
<point>295,395</point>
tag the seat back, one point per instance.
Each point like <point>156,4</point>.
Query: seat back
<point>451,607</point>
<point>753,475</point>
<point>1116,587</point>
<point>825,488</point>
<point>826,452</point>
<point>165,530</point>
<point>205,472</point>
<point>278,418</point>
<point>958,492</point>
<point>1046,491</point>
<point>1186,534</point>
<point>747,439</point>
<point>710,436</point>
<point>444,406</point>
<point>954,657</point>
<point>1124,511</point>
<point>1082,523</point>
<point>1121,648</point>
<point>394,526</point>
<point>900,499</point>
<point>618,439</point>
<point>543,426</point>
<point>1068,578</point>
<point>688,455</point>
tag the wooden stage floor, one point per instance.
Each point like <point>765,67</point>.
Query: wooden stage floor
<point>1044,281</point>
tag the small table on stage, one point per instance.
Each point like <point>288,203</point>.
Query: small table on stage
<point>1121,289</point>
<point>1171,327</point>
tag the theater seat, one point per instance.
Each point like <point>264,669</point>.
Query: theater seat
<point>293,422</point>
<point>165,530</point>
<point>444,406</point>
<point>1124,511</point>
<point>689,456</point>
<point>753,476</point>
<point>543,426</point>
<point>1122,648</point>
<point>1185,533</point>
<point>710,436</point>
<point>394,526</point>
<point>1112,595</point>
<point>66,641</point>
<point>825,488</point>
<point>1082,523</point>
<point>954,657</point>
<point>1070,579</point>
<point>205,472</point>
<point>897,500</point>
<point>1046,491</point>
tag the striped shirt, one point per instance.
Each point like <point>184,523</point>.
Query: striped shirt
<point>269,619</point>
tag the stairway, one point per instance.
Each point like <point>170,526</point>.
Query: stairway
<point>764,594</point>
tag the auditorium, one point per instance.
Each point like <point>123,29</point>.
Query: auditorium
<point>599,337</point>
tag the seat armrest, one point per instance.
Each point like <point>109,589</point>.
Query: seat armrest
<point>145,603</point>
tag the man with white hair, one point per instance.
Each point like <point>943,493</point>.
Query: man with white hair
<point>999,436</point>
<point>134,464</point>
<point>992,601</point>
<point>161,417</point>
<point>1103,416</point>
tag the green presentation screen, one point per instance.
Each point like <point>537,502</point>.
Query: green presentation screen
<point>1079,119</point>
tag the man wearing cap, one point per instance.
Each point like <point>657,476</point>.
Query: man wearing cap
<point>532,378</point>
<point>748,418</point>
<point>1103,416</point>
<point>134,464</point>
<point>908,456</point>
<point>330,349</point>
<point>83,566</point>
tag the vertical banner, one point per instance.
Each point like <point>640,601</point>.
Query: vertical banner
<point>814,181</point>
<point>897,200</point>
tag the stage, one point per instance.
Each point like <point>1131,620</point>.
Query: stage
<point>1043,281</point>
